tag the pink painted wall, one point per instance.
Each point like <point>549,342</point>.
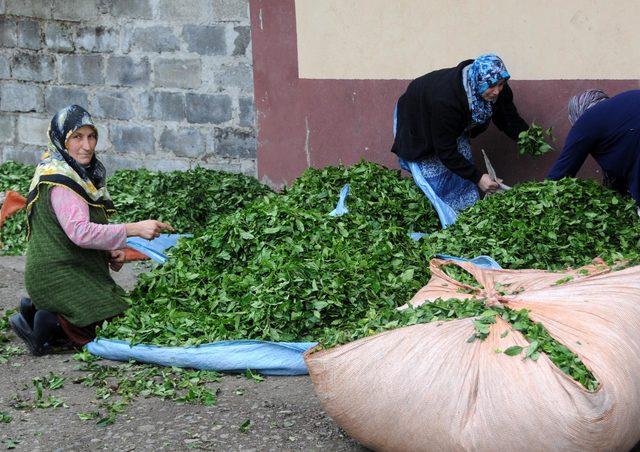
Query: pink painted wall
<point>304,122</point>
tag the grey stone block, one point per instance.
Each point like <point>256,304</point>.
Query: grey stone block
<point>230,166</point>
<point>114,105</point>
<point>208,108</point>
<point>127,71</point>
<point>183,143</point>
<point>103,138</point>
<point>16,97</point>
<point>33,67</point>
<point>237,76</point>
<point>248,167</point>
<point>3,6</point>
<point>33,130</point>
<point>58,97</point>
<point>205,40</point>
<point>82,69</point>
<point>178,73</point>
<point>134,9</point>
<point>29,34</point>
<point>7,128</point>
<point>247,117</point>
<point>230,9</point>
<point>167,165</point>
<point>155,39</point>
<point>58,36</point>
<point>164,106</point>
<point>132,139</point>
<point>235,143</point>
<point>115,162</point>
<point>97,39</point>
<point>242,41</point>
<point>75,10</point>
<point>103,6</point>
<point>184,10</point>
<point>8,32</point>
<point>22,154</point>
<point>4,67</point>
<point>29,8</point>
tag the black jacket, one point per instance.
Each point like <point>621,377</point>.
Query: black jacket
<point>434,112</point>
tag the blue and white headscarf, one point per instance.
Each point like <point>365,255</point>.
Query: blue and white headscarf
<point>485,71</point>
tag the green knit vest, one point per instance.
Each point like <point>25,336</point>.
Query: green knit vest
<point>63,278</point>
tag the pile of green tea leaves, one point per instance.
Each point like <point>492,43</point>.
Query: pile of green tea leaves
<point>548,225</point>
<point>282,269</point>
<point>188,200</point>
<point>15,177</point>
<point>375,191</point>
<point>532,141</point>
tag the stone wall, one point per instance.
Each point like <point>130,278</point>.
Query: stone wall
<point>169,83</point>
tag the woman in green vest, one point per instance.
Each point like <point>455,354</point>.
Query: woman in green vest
<point>71,246</point>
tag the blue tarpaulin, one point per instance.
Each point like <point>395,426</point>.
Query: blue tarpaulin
<point>341,207</point>
<point>268,358</point>
<point>155,248</point>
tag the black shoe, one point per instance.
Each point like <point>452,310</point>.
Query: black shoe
<point>28,310</point>
<point>20,326</point>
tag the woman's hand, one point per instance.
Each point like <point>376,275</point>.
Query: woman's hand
<point>148,229</point>
<point>117,260</point>
<point>488,185</point>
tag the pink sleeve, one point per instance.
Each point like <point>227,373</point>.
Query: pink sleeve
<point>73,216</point>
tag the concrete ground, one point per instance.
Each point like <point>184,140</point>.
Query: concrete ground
<point>284,412</point>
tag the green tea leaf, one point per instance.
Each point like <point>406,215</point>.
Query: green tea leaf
<point>514,350</point>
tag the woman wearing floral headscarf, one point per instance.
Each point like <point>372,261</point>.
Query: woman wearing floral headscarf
<point>441,111</point>
<point>71,246</point>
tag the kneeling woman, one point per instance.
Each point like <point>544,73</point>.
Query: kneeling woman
<point>70,246</point>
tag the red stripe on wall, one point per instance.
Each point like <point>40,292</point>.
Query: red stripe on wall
<point>304,122</point>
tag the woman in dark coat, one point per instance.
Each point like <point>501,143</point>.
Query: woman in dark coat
<point>441,111</point>
<point>608,129</point>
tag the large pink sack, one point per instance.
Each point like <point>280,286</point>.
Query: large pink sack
<point>424,387</point>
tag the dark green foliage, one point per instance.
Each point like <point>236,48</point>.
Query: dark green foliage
<point>533,142</point>
<point>384,319</point>
<point>273,272</point>
<point>541,341</point>
<point>379,193</point>
<point>545,225</point>
<point>188,200</point>
<point>282,269</point>
<point>16,177</point>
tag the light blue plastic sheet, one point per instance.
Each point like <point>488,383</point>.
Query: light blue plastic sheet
<point>155,248</point>
<point>445,213</point>
<point>341,207</point>
<point>268,358</point>
<point>480,261</point>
